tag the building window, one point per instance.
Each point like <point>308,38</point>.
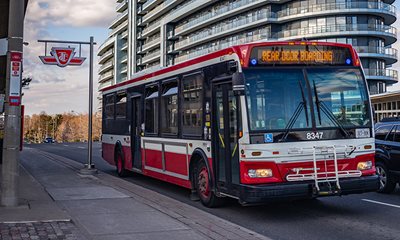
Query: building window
<point>151,103</point>
<point>169,108</point>
<point>120,105</point>
<point>109,106</point>
<point>192,105</point>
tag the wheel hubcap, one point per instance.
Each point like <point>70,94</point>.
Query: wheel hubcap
<point>382,176</point>
<point>203,182</point>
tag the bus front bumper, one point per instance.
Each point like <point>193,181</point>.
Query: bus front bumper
<point>257,194</point>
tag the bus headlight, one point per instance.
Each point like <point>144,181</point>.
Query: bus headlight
<point>260,173</point>
<point>364,165</point>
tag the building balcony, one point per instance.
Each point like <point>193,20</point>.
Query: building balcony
<point>151,57</point>
<point>122,6</point>
<point>151,44</point>
<point>104,85</point>
<point>217,15</point>
<point>123,26</point>
<point>120,18</point>
<point>390,76</point>
<point>386,11</point>
<point>106,76</point>
<point>106,66</point>
<point>221,45</point>
<point>160,10</point>
<point>124,47</point>
<point>381,31</point>
<point>151,28</point>
<point>222,30</point>
<point>124,70</point>
<point>124,35</point>
<point>109,43</point>
<point>124,59</point>
<point>387,54</point>
<point>150,4</point>
<point>107,55</point>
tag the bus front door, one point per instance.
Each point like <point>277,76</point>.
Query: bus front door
<point>136,130</point>
<point>225,137</point>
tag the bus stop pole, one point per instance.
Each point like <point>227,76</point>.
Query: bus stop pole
<point>12,118</point>
<point>89,167</point>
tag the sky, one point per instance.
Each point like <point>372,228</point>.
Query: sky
<point>54,89</point>
<point>59,90</point>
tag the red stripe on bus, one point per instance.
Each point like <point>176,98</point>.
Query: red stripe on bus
<point>153,158</point>
<point>175,162</point>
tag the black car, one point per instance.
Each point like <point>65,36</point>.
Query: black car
<point>387,161</point>
<point>49,140</point>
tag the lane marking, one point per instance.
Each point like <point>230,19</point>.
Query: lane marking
<point>81,147</point>
<point>381,203</point>
<point>65,145</point>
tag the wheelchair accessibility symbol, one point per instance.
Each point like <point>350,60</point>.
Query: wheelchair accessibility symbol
<point>268,138</point>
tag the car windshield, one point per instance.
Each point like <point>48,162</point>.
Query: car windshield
<point>279,98</point>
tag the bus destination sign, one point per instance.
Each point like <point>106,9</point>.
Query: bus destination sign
<point>300,55</point>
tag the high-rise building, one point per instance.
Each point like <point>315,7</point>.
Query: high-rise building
<point>147,35</point>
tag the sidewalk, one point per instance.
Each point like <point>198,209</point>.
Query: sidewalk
<point>62,204</point>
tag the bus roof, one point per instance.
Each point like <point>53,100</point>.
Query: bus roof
<point>243,52</point>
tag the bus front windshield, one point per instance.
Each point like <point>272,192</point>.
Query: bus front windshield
<point>282,98</point>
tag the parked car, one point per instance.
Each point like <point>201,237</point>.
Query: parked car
<point>49,140</point>
<point>387,161</point>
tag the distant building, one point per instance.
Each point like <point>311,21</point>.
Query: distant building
<point>147,35</point>
<point>386,105</point>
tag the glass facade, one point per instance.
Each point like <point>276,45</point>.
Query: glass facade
<point>153,34</point>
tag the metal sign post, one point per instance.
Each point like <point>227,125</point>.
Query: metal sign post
<point>63,57</point>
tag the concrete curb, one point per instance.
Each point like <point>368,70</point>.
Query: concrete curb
<point>206,224</point>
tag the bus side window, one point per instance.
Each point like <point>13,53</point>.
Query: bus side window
<point>192,105</point>
<point>120,105</point>
<point>109,106</point>
<point>151,112</point>
<point>169,108</point>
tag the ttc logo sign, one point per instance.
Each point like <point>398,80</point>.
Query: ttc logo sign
<point>62,57</point>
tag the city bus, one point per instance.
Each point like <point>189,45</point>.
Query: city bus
<point>258,122</point>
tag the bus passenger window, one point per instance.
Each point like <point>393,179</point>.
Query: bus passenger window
<point>151,115</point>
<point>192,106</point>
<point>109,106</point>
<point>169,108</point>
<point>120,106</point>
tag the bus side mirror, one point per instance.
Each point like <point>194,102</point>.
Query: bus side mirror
<point>238,83</point>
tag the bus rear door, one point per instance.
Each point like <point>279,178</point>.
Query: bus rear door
<point>136,130</point>
<point>225,137</point>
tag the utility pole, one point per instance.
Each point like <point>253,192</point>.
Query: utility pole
<point>12,131</point>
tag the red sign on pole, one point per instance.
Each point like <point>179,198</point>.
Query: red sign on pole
<point>62,57</point>
<point>15,79</point>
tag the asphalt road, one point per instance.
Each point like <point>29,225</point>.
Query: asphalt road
<point>364,216</point>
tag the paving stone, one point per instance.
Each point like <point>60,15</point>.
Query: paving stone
<point>39,231</point>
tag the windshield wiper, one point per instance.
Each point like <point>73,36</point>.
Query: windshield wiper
<point>296,115</point>
<point>321,106</point>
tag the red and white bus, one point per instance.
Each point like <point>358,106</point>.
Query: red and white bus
<point>255,122</point>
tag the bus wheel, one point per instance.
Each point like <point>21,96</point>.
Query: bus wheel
<point>203,187</point>
<point>119,162</point>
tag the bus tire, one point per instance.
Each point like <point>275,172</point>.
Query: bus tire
<point>120,164</point>
<point>204,186</point>
<point>386,181</point>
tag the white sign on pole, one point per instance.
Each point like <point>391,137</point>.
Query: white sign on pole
<point>3,46</point>
<point>15,79</point>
